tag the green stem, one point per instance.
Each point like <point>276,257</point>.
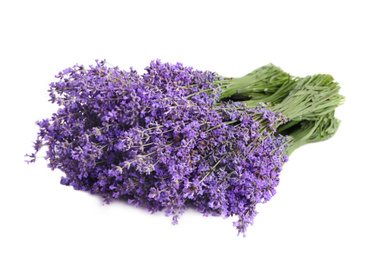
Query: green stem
<point>311,131</point>
<point>263,81</point>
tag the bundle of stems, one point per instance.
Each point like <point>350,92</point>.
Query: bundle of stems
<point>308,102</point>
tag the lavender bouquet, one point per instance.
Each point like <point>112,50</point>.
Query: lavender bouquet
<point>175,137</point>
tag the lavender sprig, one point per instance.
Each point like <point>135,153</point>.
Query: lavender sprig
<point>165,141</point>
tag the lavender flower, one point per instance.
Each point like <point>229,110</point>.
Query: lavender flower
<point>162,140</point>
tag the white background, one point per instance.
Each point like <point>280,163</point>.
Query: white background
<point>325,204</point>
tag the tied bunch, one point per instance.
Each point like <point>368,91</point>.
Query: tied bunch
<point>176,137</point>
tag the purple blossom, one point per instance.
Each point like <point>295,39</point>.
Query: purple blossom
<point>161,140</point>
